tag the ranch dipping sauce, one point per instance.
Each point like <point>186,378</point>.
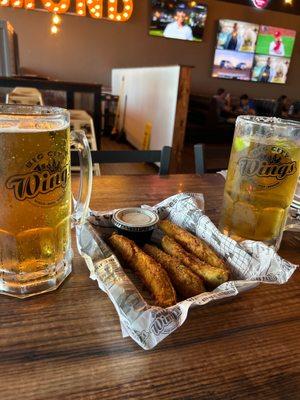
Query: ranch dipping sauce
<point>135,223</point>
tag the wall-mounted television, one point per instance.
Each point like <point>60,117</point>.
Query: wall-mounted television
<point>270,69</point>
<point>274,41</point>
<point>232,64</point>
<point>237,36</point>
<point>178,19</point>
<point>251,52</point>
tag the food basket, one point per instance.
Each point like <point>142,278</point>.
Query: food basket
<point>250,263</point>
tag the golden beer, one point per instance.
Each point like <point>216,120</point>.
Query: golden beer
<point>36,203</point>
<point>35,212</point>
<point>261,181</point>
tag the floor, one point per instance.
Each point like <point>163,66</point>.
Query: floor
<point>215,157</point>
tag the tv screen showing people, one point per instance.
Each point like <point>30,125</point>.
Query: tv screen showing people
<point>274,41</point>
<point>251,52</point>
<point>237,36</point>
<point>173,19</point>
<point>270,69</point>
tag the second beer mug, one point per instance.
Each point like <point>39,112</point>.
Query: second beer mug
<point>35,182</point>
<point>262,178</point>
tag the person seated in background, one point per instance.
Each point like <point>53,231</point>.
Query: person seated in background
<point>282,107</point>
<point>246,106</point>
<point>223,105</point>
<point>294,110</point>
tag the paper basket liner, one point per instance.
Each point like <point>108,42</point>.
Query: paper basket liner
<point>250,263</point>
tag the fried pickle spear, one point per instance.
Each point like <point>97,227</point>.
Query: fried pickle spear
<point>213,276</point>
<point>186,283</point>
<point>192,244</point>
<point>149,271</point>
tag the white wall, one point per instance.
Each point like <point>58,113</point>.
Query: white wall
<point>157,108</point>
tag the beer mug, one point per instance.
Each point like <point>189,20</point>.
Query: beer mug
<point>261,179</point>
<point>35,182</point>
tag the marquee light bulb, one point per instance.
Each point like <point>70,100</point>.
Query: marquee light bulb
<point>95,7</point>
<point>54,29</point>
<point>56,19</point>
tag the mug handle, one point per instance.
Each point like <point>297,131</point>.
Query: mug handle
<point>81,205</point>
<point>293,219</point>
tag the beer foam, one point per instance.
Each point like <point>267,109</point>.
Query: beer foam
<point>30,126</point>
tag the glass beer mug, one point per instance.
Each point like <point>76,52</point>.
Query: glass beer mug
<point>35,182</point>
<point>261,180</point>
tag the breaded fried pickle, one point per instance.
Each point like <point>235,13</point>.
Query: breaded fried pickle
<point>186,283</point>
<point>191,243</point>
<point>149,271</point>
<point>213,276</point>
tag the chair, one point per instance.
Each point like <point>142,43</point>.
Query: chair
<point>199,159</point>
<point>25,95</point>
<point>265,107</point>
<point>81,120</point>
<point>128,156</point>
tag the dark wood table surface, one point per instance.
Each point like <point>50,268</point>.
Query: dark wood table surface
<point>68,345</point>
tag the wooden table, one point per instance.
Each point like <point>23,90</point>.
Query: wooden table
<point>68,345</point>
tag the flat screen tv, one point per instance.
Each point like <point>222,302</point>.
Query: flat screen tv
<point>270,69</point>
<point>232,64</point>
<point>178,19</point>
<point>251,52</point>
<point>237,36</point>
<point>273,41</point>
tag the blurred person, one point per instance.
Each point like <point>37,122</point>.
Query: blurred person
<point>234,39</point>
<point>249,40</point>
<point>179,29</point>
<point>246,106</point>
<point>267,72</point>
<point>223,105</point>
<point>282,107</point>
<point>276,47</point>
<point>280,74</point>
